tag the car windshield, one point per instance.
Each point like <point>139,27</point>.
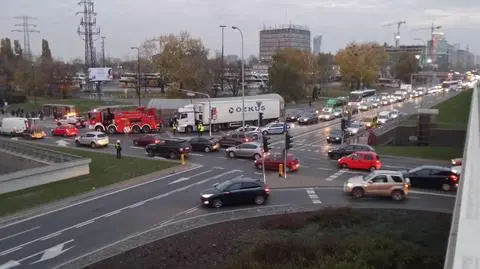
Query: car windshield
<point>222,186</point>
<point>336,132</point>
<point>355,125</point>
<point>101,135</point>
<point>367,177</point>
<point>382,116</point>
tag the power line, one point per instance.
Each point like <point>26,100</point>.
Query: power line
<point>25,28</point>
<point>88,30</point>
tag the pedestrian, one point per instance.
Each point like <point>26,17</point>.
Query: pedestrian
<point>174,128</point>
<point>118,148</point>
<point>200,129</point>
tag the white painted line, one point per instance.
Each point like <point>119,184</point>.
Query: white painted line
<point>53,252</point>
<point>85,223</point>
<point>137,204</point>
<point>305,166</point>
<point>434,194</point>
<point>258,173</point>
<point>19,233</point>
<point>112,213</point>
<point>302,150</point>
<point>317,151</point>
<point>191,210</point>
<point>325,169</point>
<point>98,197</point>
<point>144,201</point>
<point>134,147</point>
<point>43,251</point>
<point>316,201</point>
<point>313,196</point>
<point>10,250</point>
<point>179,180</point>
<point>196,154</point>
<point>10,264</point>
<point>224,158</point>
<point>49,236</point>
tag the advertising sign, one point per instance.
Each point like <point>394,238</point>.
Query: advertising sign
<point>100,74</point>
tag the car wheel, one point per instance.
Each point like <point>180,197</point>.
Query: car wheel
<point>259,200</point>
<point>265,132</point>
<point>99,129</point>
<point>172,155</point>
<point>258,166</point>
<point>77,143</point>
<point>217,203</point>
<point>335,156</point>
<point>231,154</point>
<point>256,156</point>
<point>146,129</point>
<point>112,130</point>
<point>136,129</point>
<point>446,187</point>
<point>93,145</point>
<point>398,195</point>
<point>372,169</point>
<point>207,149</point>
<point>344,166</point>
<point>150,153</point>
<point>135,142</point>
<point>357,193</point>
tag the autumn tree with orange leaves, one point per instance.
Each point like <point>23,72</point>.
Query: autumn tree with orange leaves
<point>360,63</point>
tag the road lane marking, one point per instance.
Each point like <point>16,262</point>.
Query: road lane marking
<point>10,250</point>
<point>135,147</point>
<point>196,154</point>
<point>123,208</point>
<point>433,193</point>
<point>325,169</point>
<point>85,223</point>
<point>10,264</point>
<point>98,197</point>
<point>160,226</point>
<point>258,173</point>
<point>136,204</point>
<point>112,213</point>
<point>53,252</point>
<point>23,232</point>
<point>336,175</point>
<point>313,196</point>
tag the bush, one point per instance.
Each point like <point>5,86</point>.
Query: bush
<point>285,222</point>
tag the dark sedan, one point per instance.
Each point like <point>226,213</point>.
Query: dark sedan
<point>236,192</point>
<point>336,136</point>
<point>143,141</point>
<point>308,118</point>
<point>339,152</point>
<point>293,115</point>
<point>205,144</point>
<point>432,177</point>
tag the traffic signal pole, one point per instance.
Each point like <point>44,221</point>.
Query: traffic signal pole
<point>285,159</point>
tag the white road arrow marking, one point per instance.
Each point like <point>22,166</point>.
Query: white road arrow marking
<point>179,180</point>
<point>62,143</point>
<point>54,252</point>
<point>13,138</point>
<point>9,264</point>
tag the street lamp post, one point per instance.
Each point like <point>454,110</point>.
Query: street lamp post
<point>223,61</point>
<point>137,88</point>
<point>243,77</point>
<point>209,108</point>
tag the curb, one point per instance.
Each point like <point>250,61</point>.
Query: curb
<point>41,209</point>
<point>412,158</point>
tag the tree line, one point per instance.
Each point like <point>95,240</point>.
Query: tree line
<point>41,76</point>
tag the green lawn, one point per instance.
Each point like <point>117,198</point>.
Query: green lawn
<point>82,105</point>
<point>434,153</point>
<point>455,111</point>
<point>104,170</point>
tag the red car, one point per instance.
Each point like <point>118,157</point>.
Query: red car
<point>65,130</point>
<point>363,160</point>
<point>273,160</point>
<point>143,141</point>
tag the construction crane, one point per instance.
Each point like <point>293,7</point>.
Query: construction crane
<point>396,36</point>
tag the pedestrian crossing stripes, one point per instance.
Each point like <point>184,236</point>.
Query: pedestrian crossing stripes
<point>313,196</point>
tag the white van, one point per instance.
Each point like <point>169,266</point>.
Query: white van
<point>13,126</point>
<point>383,117</point>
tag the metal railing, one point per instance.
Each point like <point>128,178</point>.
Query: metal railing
<point>462,249</point>
<point>37,152</point>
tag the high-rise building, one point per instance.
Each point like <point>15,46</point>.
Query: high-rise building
<point>477,60</point>
<point>439,51</point>
<point>317,44</point>
<point>272,40</point>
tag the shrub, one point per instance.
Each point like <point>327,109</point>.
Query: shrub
<point>285,222</point>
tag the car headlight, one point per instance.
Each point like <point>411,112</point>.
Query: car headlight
<point>328,137</point>
<point>349,185</point>
<point>206,196</point>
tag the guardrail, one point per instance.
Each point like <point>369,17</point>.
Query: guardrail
<point>462,249</point>
<point>29,150</point>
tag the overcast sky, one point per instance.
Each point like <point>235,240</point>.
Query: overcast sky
<point>127,23</point>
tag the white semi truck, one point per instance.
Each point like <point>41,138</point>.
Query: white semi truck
<point>226,114</point>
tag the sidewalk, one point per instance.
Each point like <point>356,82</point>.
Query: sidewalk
<point>294,180</point>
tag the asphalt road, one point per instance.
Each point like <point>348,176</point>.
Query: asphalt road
<point>55,237</point>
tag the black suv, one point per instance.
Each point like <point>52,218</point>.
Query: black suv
<point>170,148</point>
<point>337,153</point>
<point>235,192</point>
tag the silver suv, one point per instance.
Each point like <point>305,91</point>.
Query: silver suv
<point>92,139</point>
<point>246,150</point>
<point>380,183</point>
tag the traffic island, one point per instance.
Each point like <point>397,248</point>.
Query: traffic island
<point>326,238</point>
<point>296,180</point>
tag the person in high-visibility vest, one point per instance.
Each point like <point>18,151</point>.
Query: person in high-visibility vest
<point>174,128</point>
<point>200,129</point>
<point>118,148</point>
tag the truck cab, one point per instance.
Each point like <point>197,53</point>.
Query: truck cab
<point>188,117</point>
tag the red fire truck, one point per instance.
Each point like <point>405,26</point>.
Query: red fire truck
<point>123,119</point>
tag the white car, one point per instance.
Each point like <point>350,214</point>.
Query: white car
<point>248,129</point>
<point>394,114</point>
<point>325,116</point>
<point>364,106</point>
<point>92,139</point>
<point>383,117</point>
<point>355,128</point>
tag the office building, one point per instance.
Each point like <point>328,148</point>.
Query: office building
<point>394,53</point>
<point>317,44</point>
<point>463,60</point>
<point>274,39</point>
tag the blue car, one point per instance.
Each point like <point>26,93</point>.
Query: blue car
<point>274,128</point>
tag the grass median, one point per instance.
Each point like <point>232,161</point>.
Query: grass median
<point>104,170</point>
<point>433,153</point>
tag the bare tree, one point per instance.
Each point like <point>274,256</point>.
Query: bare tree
<point>233,77</point>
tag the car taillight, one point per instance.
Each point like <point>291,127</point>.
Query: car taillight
<point>181,149</point>
<point>156,141</point>
<point>377,161</point>
<point>246,139</point>
<point>453,178</point>
<point>267,190</point>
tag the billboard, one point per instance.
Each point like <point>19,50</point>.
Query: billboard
<point>100,74</point>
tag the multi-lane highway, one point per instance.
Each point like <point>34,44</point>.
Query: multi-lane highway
<point>52,238</point>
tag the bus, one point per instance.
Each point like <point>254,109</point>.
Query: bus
<point>335,102</point>
<point>360,96</point>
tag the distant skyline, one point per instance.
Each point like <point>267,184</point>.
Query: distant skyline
<point>129,23</point>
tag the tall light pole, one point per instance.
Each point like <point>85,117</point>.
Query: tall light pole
<point>223,61</point>
<point>209,107</point>
<point>425,48</point>
<point>137,88</point>
<point>243,77</point>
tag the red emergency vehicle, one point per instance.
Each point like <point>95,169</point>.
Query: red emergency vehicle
<point>123,119</point>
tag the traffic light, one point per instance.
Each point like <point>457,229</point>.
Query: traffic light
<point>288,141</point>
<point>344,124</point>
<point>260,119</point>
<point>266,144</point>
